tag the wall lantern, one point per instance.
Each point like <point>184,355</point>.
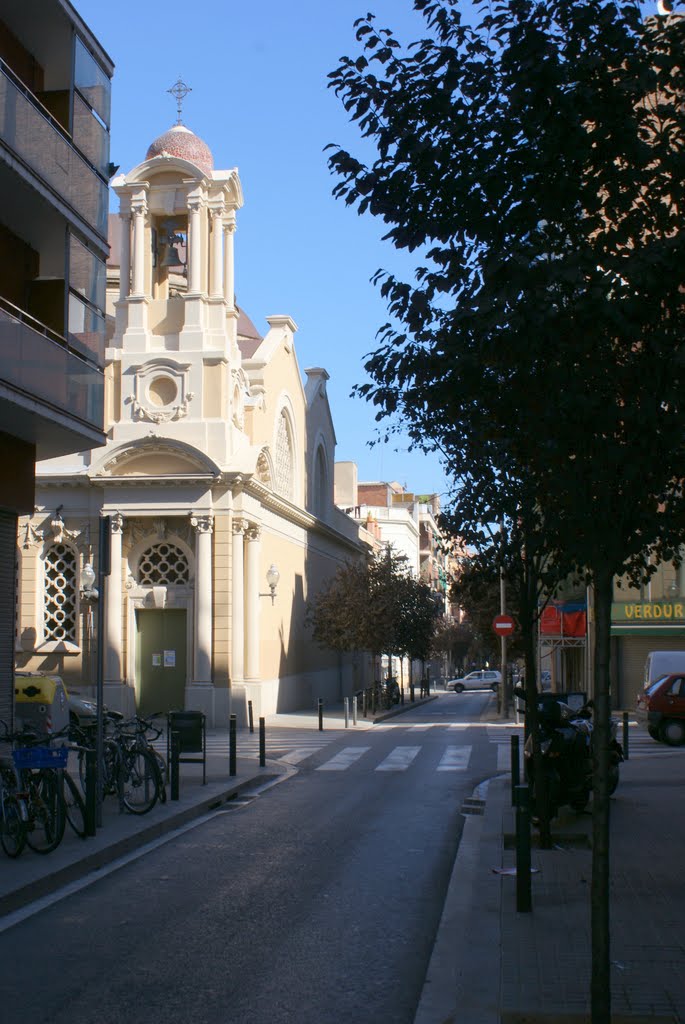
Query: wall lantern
<point>89,592</point>
<point>272,578</point>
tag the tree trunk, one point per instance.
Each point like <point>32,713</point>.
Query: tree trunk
<point>601,980</point>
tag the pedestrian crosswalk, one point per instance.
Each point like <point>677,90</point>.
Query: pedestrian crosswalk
<point>296,747</point>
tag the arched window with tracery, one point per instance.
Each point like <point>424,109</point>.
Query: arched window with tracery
<point>59,594</point>
<point>163,564</point>
<point>284,466</point>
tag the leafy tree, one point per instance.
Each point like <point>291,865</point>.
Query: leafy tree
<point>535,161</point>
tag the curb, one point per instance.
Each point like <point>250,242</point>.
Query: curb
<point>40,887</point>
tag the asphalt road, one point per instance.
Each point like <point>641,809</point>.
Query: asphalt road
<point>314,903</point>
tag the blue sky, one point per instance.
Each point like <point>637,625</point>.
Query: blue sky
<point>259,100</point>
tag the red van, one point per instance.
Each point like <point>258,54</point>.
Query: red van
<point>661,707</point>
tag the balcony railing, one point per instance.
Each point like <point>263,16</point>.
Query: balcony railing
<point>36,362</point>
<point>37,139</point>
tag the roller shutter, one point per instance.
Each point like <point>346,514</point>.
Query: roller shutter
<point>8,546</point>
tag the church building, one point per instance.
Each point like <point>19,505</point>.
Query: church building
<point>212,498</point>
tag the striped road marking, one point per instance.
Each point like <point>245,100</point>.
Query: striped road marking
<point>455,759</point>
<point>343,759</point>
<point>399,760</point>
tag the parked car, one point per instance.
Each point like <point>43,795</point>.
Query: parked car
<point>661,707</point>
<point>481,679</point>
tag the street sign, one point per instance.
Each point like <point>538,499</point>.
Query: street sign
<point>503,625</point>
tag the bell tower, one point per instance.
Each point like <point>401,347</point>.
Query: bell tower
<point>174,346</point>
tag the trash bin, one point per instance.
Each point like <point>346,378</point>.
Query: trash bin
<point>40,703</point>
<point>191,729</point>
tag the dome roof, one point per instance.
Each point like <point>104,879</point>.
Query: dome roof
<point>181,142</point>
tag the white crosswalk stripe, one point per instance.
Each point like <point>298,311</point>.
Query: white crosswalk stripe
<point>343,759</point>
<point>455,759</point>
<point>398,760</point>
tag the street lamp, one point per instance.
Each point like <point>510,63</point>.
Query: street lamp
<point>89,592</point>
<point>272,578</point>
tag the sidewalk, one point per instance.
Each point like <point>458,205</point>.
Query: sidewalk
<point>492,964</point>
<point>33,876</point>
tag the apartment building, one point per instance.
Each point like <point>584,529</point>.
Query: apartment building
<point>55,85</point>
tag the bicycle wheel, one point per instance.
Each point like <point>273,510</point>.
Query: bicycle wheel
<point>12,827</point>
<point>47,819</point>
<point>140,785</point>
<point>163,774</point>
<point>74,806</point>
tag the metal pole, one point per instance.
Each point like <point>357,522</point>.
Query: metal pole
<point>523,894</point>
<point>626,751</point>
<point>262,742</point>
<point>354,710</point>
<point>515,769</point>
<point>104,541</point>
<point>175,754</point>
<point>365,703</point>
<point>503,697</point>
<point>232,726</point>
<point>346,705</point>
<point>250,715</point>
<point>91,793</point>
<point>320,714</point>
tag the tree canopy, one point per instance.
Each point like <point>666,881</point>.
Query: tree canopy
<point>534,163</point>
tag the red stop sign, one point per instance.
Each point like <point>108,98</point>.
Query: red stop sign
<point>503,625</point>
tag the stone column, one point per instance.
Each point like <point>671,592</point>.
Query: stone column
<point>113,605</point>
<point>229,264</point>
<point>125,257</point>
<point>202,660</point>
<point>238,597</point>
<point>139,209</point>
<point>217,274</point>
<point>252,603</point>
<point>194,246</point>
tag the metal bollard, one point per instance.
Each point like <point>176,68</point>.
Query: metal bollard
<point>515,768</point>
<point>354,710</point>
<point>320,714</point>
<point>262,742</point>
<point>232,726</point>
<point>91,792</point>
<point>626,751</point>
<point>173,767</point>
<point>346,705</point>
<point>250,715</point>
<point>365,703</point>
<point>523,894</point>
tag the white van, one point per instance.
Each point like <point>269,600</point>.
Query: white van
<point>662,663</point>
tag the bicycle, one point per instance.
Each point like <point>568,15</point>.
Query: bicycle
<point>131,767</point>
<point>41,773</point>
<point>141,778</point>
<point>13,813</point>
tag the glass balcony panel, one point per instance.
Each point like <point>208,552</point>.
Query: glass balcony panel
<point>92,82</point>
<point>86,328</point>
<point>87,273</point>
<point>36,141</point>
<point>90,136</point>
<point>48,371</point>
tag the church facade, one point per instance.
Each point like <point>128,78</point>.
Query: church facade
<point>212,499</point>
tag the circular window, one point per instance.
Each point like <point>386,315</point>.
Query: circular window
<point>162,391</point>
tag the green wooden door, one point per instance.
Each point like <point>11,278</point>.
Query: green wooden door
<point>160,659</point>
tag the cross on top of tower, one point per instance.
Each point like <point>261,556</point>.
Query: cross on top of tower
<point>180,90</point>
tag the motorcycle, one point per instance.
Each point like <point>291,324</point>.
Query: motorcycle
<point>566,741</point>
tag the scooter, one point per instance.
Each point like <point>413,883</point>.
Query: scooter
<point>566,738</point>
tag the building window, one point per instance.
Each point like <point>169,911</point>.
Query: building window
<point>163,564</point>
<point>284,458</point>
<point>60,594</point>
<point>320,489</point>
